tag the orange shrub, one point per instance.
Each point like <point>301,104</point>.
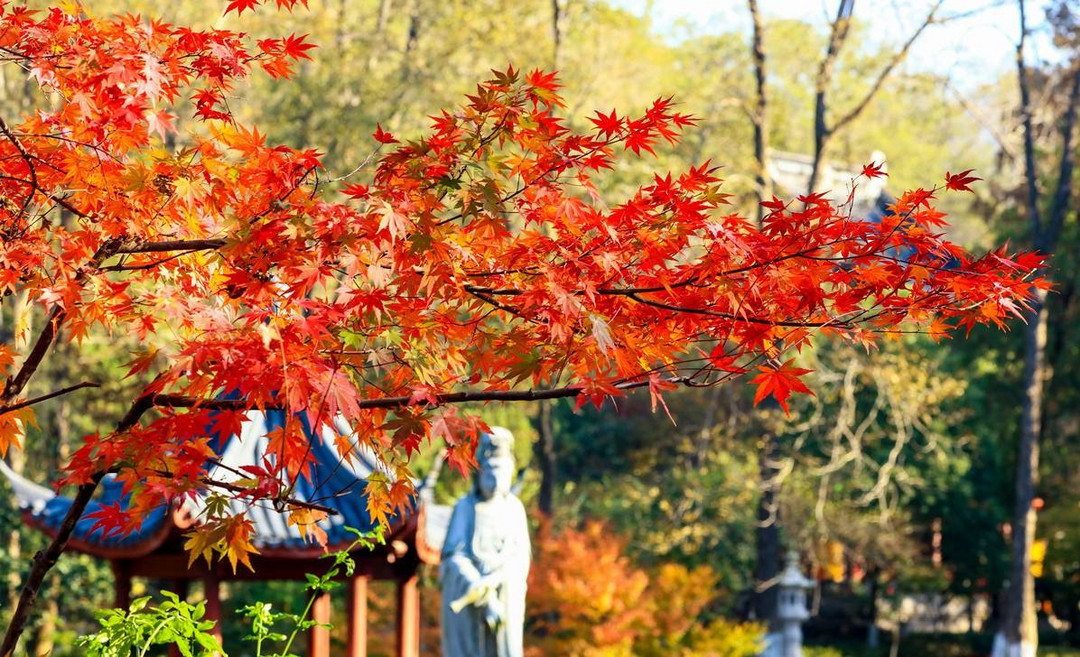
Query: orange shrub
<point>587,599</point>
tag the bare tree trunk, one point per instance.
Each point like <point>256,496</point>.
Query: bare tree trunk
<point>823,130</point>
<point>767,533</point>
<point>544,452</point>
<point>1018,636</point>
<point>760,114</point>
<point>1021,631</point>
<point>559,10</point>
<point>384,15</point>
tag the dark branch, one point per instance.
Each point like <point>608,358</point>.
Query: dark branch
<point>33,182</point>
<point>46,559</point>
<point>56,393</point>
<point>172,245</point>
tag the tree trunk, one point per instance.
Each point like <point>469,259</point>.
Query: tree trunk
<point>760,114</point>
<point>873,634</point>
<point>1018,636</point>
<point>1020,624</point>
<point>767,534</point>
<point>544,452</point>
<point>822,131</point>
<point>558,31</point>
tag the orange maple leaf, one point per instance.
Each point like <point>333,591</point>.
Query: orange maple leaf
<point>780,381</point>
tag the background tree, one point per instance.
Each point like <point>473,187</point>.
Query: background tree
<point>1020,629</point>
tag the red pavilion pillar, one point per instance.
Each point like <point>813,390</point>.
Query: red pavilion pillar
<point>356,612</point>
<point>319,635</point>
<point>122,584</point>
<point>408,618</point>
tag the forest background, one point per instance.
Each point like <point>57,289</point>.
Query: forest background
<point>896,479</point>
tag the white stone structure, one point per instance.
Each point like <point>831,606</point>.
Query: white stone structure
<point>791,611</point>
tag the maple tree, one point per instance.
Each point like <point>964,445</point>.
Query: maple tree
<point>476,263</point>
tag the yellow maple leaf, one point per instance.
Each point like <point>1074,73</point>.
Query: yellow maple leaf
<point>202,541</point>
<point>306,520</point>
<point>237,543</point>
<point>13,427</point>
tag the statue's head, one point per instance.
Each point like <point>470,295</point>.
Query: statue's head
<point>495,463</point>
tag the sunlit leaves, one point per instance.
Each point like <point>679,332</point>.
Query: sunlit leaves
<point>13,427</point>
<point>226,536</point>
<point>477,259</point>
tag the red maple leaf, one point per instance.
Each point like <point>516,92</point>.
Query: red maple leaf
<point>541,80</point>
<point>873,170</point>
<point>780,382</point>
<point>960,181</point>
<point>382,136</point>
<point>296,47</point>
<point>607,124</point>
<point>241,5</point>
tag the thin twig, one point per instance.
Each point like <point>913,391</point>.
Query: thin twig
<point>56,393</point>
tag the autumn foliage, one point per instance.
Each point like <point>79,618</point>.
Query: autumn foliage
<point>588,599</point>
<point>477,262</point>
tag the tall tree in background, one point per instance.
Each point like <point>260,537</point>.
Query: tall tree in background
<point>824,127</point>
<point>759,115</point>
<point>544,451</point>
<point>1020,631</point>
<point>767,530</point>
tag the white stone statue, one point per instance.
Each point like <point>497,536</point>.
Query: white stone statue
<point>485,560</point>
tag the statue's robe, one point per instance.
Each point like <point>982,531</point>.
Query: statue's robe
<point>485,539</point>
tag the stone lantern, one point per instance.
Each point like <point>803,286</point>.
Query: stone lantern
<point>791,609</point>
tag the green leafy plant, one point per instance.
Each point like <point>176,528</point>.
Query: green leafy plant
<point>133,631</point>
<point>177,622</point>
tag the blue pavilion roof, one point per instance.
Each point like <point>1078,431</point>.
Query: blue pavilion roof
<point>334,483</point>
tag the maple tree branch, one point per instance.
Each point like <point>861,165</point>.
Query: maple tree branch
<point>47,558</point>
<point>56,393</point>
<point>483,295</point>
<point>172,245</point>
<point>284,499</point>
<point>532,394</point>
<point>33,182</point>
<point>732,316</point>
<point>237,488</point>
<point>43,563</point>
<point>16,383</point>
<point>150,265</point>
